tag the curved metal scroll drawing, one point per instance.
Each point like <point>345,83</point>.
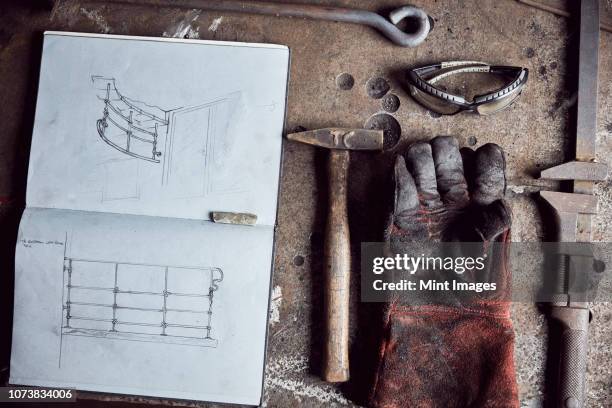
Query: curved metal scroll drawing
<point>215,278</point>
<point>130,125</point>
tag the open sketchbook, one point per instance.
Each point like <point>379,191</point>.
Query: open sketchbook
<point>122,281</point>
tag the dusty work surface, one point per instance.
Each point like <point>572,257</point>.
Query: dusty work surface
<point>535,133</point>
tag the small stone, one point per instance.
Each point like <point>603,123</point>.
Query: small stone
<point>391,103</point>
<point>298,260</point>
<point>345,81</point>
<point>391,128</point>
<point>377,87</point>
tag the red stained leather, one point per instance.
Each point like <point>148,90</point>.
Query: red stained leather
<point>435,356</point>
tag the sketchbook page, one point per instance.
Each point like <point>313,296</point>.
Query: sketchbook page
<point>139,305</point>
<point>160,127</point>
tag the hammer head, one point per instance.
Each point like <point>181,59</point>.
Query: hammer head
<point>338,138</point>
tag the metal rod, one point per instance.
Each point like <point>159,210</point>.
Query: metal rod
<point>559,12</point>
<point>388,27</point>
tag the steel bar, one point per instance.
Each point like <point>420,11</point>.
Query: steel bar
<point>588,61</point>
<point>604,25</point>
<point>388,27</point>
<point>577,170</point>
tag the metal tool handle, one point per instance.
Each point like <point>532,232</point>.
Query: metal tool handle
<point>389,27</point>
<point>338,272</point>
<point>573,359</point>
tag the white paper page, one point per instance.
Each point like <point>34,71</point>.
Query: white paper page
<point>145,126</point>
<point>119,303</point>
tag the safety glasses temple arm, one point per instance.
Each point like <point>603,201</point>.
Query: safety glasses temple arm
<point>426,70</point>
<point>471,68</point>
<point>506,70</point>
<point>444,65</point>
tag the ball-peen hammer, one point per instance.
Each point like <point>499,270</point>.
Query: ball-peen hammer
<point>337,240</point>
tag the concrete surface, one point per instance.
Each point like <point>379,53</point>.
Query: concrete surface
<point>535,133</point>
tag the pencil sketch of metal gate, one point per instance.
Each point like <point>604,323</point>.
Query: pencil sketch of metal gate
<point>139,302</point>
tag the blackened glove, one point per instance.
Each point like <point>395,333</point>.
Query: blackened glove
<point>456,350</point>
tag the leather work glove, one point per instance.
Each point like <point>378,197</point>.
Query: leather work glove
<point>453,350</point>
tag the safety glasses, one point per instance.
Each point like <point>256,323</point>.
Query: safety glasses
<point>422,84</point>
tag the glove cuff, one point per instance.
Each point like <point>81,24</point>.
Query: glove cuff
<point>434,356</point>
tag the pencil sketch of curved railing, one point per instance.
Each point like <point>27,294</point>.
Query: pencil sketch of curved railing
<point>190,146</point>
<point>131,129</point>
<point>139,302</point>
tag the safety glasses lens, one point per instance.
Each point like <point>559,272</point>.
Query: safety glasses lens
<point>497,105</point>
<point>434,103</point>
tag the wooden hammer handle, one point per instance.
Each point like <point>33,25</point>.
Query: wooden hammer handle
<point>337,271</point>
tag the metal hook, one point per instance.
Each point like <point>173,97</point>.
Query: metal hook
<point>355,16</point>
<point>410,39</point>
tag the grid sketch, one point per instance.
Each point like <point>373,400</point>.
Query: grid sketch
<point>139,302</point>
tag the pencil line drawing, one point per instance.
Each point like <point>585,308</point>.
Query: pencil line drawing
<point>139,302</point>
<point>192,144</point>
<point>63,300</point>
<point>135,125</point>
<point>198,146</point>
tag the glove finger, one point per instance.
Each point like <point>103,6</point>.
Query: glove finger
<point>421,165</point>
<point>449,171</point>
<point>468,158</point>
<point>489,174</point>
<point>406,197</point>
